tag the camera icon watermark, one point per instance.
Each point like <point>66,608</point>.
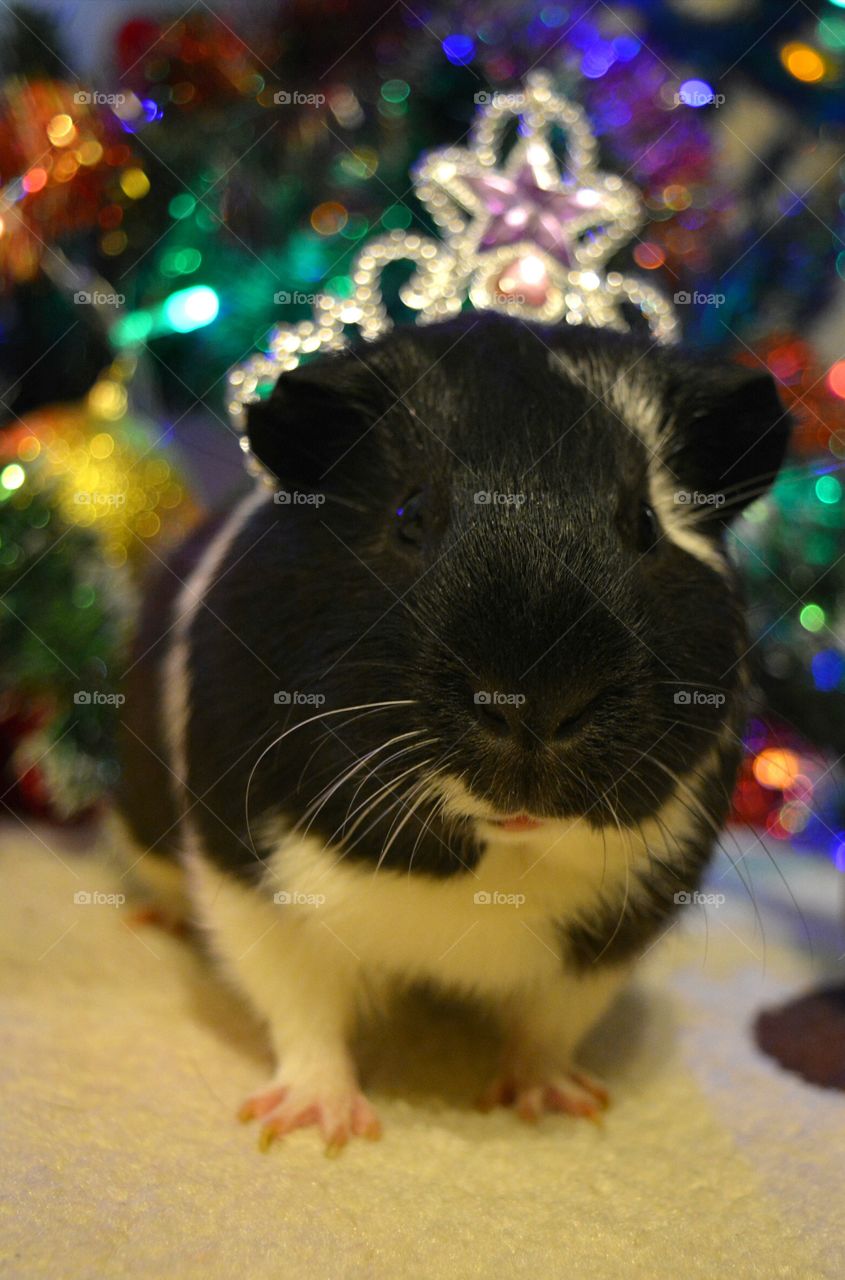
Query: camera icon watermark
<point>495,898</point>
<point>492,498</point>
<point>296,498</point>
<point>283,297</point>
<point>92,97</point>
<point>296,698</point>
<point>94,898</point>
<point>492,698</point>
<point>698,698</point>
<point>497,98</point>
<point>294,98</point>
<point>693,898</point>
<point>87,497</point>
<point>694,498</point>
<point>683,298</point>
<point>695,93</point>
<point>96,298</point>
<point>94,698</point>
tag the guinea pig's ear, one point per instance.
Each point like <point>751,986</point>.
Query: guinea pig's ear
<point>314,416</point>
<point>730,435</point>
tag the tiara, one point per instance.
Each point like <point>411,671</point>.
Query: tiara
<point>521,233</point>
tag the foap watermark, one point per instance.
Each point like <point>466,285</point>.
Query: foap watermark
<point>94,898</point>
<point>683,298</point>
<point>94,698</point>
<point>697,93</point>
<point>93,97</point>
<point>497,98</point>
<point>282,297</point>
<point>694,498</point>
<point>496,898</point>
<point>96,298</point>
<point>694,898</point>
<point>88,497</point>
<point>492,698</point>
<point>295,98</point>
<point>297,899</point>
<point>698,698</point>
<point>297,498</point>
<point>296,698</point>
<point>492,498</point>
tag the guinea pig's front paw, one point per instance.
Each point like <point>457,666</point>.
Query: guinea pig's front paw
<point>338,1109</point>
<point>573,1092</point>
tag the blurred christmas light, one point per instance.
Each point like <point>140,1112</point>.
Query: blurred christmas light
<point>191,308</point>
<point>812,617</point>
<point>459,49</point>
<point>836,379</point>
<point>776,768</point>
<point>828,490</point>
<point>12,477</point>
<point>696,93</point>
<point>828,668</point>
<point>802,62</point>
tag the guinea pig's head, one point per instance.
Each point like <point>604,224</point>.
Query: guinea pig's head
<point>523,543</point>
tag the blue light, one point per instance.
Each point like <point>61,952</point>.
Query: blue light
<point>191,308</point>
<point>696,93</point>
<point>459,50</point>
<point>553,15</point>
<point>626,47</point>
<point>828,667</point>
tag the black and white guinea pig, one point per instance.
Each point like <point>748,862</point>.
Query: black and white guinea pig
<point>461,703</point>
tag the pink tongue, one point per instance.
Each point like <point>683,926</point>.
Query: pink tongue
<point>521,823</point>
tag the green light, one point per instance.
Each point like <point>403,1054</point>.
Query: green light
<point>831,32</point>
<point>132,329</point>
<point>396,218</point>
<point>828,490</point>
<point>395,90</point>
<point>187,260</point>
<point>181,206</point>
<point>190,309</point>
<point>343,286</point>
<point>12,477</point>
<point>812,617</point>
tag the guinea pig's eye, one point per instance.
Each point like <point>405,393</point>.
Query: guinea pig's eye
<point>648,528</point>
<point>410,519</point>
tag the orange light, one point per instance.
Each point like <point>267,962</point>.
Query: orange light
<point>776,768</point>
<point>649,256</point>
<point>35,180</point>
<point>802,62</point>
<point>836,378</point>
<point>329,218</point>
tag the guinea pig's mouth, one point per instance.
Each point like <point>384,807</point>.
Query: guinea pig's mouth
<point>518,823</point>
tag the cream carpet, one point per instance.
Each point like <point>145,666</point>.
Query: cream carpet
<point>124,1061</point>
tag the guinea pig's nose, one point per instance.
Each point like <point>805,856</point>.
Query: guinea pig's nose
<point>542,719</point>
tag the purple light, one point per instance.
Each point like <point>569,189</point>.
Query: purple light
<point>696,93</point>
<point>839,856</point>
<point>459,50</point>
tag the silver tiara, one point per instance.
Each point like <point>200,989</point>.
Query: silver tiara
<point>520,233</point>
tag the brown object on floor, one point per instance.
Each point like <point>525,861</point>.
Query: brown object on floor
<point>807,1036</point>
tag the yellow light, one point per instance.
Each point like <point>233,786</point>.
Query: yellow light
<point>802,62</point>
<point>114,242</point>
<point>102,446</point>
<point>135,183</point>
<point>108,399</point>
<point>61,130</point>
<point>776,768</point>
<point>29,449</point>
<point>12,477</point>
<point>90,152</point>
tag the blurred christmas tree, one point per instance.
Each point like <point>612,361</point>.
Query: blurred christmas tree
<point>215,181</point>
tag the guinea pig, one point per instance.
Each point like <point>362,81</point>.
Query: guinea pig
<point>460,704</point>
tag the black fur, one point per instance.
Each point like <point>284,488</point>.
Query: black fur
<point>572,599</point>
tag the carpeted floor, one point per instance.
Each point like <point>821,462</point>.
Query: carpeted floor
<point>124,1062</point>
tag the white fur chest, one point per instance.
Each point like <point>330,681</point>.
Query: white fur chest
<point>490,930</point>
